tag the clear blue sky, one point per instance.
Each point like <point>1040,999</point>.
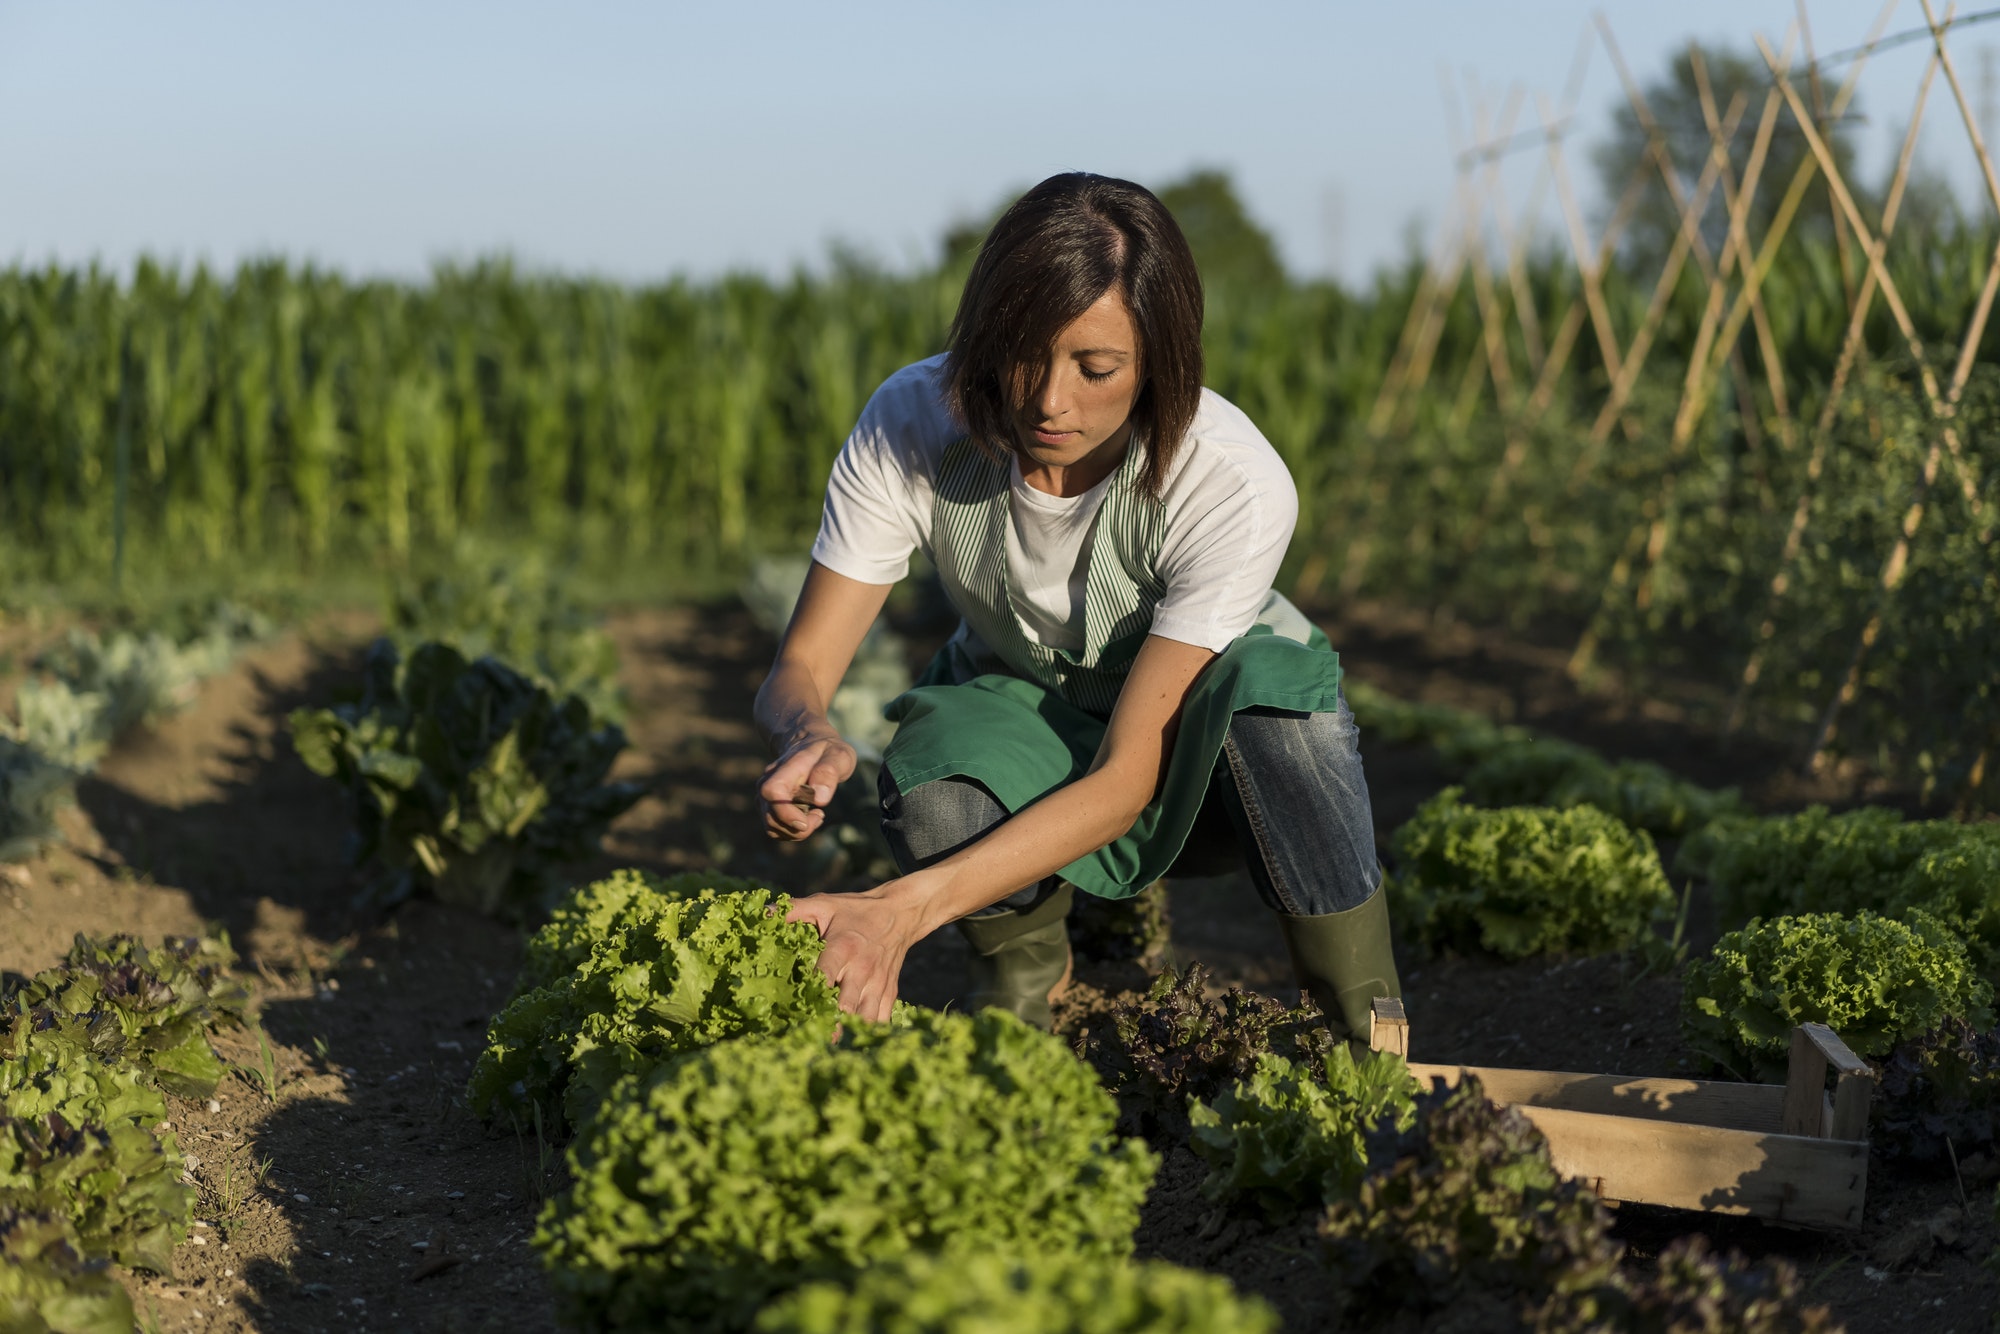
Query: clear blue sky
<point>635,140</point>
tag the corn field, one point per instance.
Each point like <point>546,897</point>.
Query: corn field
<point>1518,437</point>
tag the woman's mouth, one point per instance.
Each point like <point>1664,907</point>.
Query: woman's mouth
<point>1054,437</point>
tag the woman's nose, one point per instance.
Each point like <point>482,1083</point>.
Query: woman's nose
<point>1054,401</point>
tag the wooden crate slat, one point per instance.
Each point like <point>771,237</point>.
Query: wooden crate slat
<point>1791,1178</point>
<point>1752,1107</point>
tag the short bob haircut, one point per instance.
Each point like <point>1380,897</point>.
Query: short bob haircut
<point>1047,260</point>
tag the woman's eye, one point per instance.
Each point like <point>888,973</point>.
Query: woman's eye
<point>1090,374</point>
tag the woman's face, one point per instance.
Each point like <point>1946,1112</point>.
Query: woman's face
<point>1092,381</point>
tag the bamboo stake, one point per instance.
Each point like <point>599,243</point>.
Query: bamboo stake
<point>1514,244</point>
<point>1663,288</point>
<point>1945,439</point>
<point>1840,244</point>
<point>1850,348</point>
<point>1738,206</point>
<point>1493,334</point>
<point>1781,221</point>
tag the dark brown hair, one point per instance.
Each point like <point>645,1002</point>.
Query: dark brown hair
<point>1047,260</point>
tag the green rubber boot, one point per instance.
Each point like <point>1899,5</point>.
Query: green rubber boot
<point>1020,960</point>
<point>1344,961</point>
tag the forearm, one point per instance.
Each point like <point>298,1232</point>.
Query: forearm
<point>791,707</point>
<point>1047,836</point>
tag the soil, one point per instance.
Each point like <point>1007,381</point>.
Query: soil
<point>343,1185</point>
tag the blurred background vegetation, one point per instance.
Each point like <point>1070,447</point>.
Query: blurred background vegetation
<point>281,426</point>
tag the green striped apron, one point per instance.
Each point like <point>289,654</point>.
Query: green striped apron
<point>1026,719</point>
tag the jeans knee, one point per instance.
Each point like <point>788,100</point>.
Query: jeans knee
<point>935,819</point>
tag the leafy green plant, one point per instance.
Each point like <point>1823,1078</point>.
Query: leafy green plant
<point>161,1002</point>
<point>1868,859</point>
<point>1524,880</point>
<point>33,788</point>
<point>116,1186</point>
<point>1040,1292</point>
<point>1692,1288</point>
<point>64,1065</point>
<point>46,1287</point>
<point>1462,1209</point>
<point>1137,929</point>
<point>467,777</point>
<point>743,1170</point>
<point>517,611</point>
<point>1176,1042</point>
<point>1939,1094</point>
<point>633,969</point>
<point>1874,980</point>
<point>1549,772</point>
<point>1290,1134</point>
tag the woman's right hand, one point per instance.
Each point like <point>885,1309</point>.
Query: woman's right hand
<point>818,762</point>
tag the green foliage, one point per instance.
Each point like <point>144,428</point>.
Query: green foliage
<point>1137,929</point>
<point>116,1186</point>
<point>1290,1134</point>
<point>47,1288</point>
<point>743,1170</point>
<point>1938,1095</point>
<point>1548,772</point>
<point>32,789</point>
<point>1693,1289</point>
<point>467,778</point>
<point>1232,251</point>
<point>1526,880</point>
<point>1463,1209</point>
<point>151,1008</point>
<point>1042,1292</point>
<point>1462,739</point>
<point>1176,1042</point>
<point>633,969</point>
<point>514,610</point>
<point>1868,859</point>
<point>65,1066</point>
<point>1874,980</point>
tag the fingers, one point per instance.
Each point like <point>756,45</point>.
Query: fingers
<point>789,823</point>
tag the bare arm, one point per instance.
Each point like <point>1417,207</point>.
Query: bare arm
<point>833,614</point>
<point>868,934</point>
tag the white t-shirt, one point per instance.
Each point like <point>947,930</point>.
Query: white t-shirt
<point>1230,510</point>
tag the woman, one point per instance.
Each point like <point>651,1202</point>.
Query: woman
<point>1123,673</point>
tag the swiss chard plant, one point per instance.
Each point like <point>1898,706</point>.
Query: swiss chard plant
<point>634,969</point>
<point>1288,1134</point>
<point>468,779</point>
<point>149,1007</point>
<point>1876,981</point>
<point>518,612</point>
<point>1526,880</point>
<point>741,1171</point>
<point>1033,1292</point>
<point>47,1287</point>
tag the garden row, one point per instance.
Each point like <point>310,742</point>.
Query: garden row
<point>745,1158</point>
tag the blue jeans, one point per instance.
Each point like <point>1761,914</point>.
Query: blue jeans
<point>1288,801</point>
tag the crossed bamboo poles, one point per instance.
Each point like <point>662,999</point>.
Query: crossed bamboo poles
<point>1733,283</point>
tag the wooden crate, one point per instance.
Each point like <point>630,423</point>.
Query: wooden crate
<point>1788,1152</point>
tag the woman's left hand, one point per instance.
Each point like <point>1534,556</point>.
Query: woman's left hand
<point>867,935</point>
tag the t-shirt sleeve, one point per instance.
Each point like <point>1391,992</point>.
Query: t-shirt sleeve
<point>873,517</point>
<point>1223,550</point>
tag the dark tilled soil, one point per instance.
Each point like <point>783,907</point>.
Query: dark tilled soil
<point>343,1185</point>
